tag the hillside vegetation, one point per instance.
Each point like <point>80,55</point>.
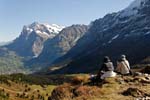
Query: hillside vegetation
<point>74,87</point>
<point>29,87</point>
<point>10,62</point>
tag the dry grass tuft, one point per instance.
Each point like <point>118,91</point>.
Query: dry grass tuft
<point>89,91</point>
<point>67,92</point>
<point>79,80</point>
<point>62,92</point>
<point>135,92</point>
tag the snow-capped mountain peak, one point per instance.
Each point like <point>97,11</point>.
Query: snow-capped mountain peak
<point>45,30</point>
<point>32,38</point>
<point>54,28</point>
<point>133,8</point>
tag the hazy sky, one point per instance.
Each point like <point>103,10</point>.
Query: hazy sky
<point>16,13</point>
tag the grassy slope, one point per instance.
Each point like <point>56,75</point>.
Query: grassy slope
<point>19,88</point>
<point>111,89</point>
<point>10,62</point>
<point>72,87</point>
<point>19,84</point>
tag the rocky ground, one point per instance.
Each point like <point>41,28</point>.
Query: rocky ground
<point>136,87</point>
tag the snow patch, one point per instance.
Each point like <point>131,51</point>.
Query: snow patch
<point>54,28</point>
<point>29,30</point>
<point>113,38</point>
<point>77,38</point>
<point>110,41</point>
<point>45,30</point>
<point>42,33</point>
<point>133,8</point>
<point>147,33</point>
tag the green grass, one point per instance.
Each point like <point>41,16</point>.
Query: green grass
<point>10,62</point>
<point>17,84</point>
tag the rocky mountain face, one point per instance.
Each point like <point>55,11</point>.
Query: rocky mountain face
<point>31,40</point>
<point>125,32</point>
<point>59,45</point>
<point>70,50</point>
<point>28,45</point>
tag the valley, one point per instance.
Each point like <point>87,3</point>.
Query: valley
<point>57,62</point>
<point>80,48</point>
